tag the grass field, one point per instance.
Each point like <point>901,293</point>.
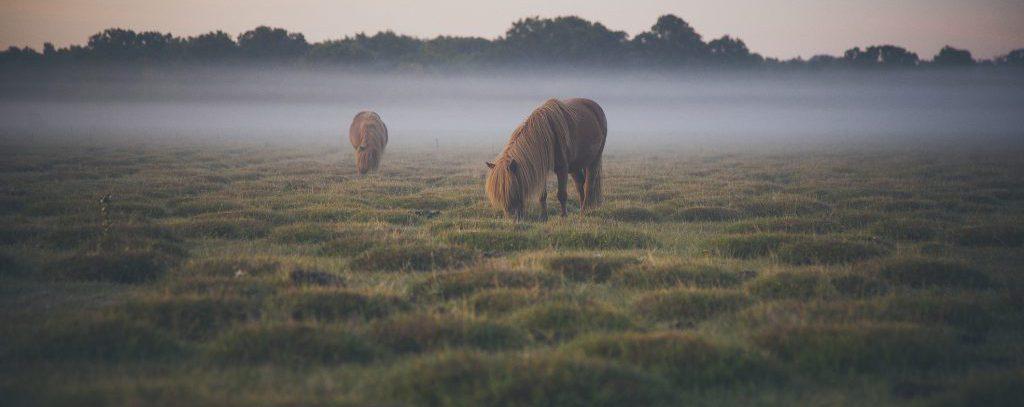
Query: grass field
<point>247,274</point>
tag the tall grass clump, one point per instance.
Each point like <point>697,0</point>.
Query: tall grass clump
<point>292,344</point>
<point>584,267</point>
<point>673,273</point>
<point>826,251</point>
<point>923,272</point>
<point>334,304</point>
<point>422,332</point>
<point>473,378</point>
<point>560,320</point>
<point>686,359</point>
<point>93,339</point>
<point>688,306</point>
<point>863,347</point>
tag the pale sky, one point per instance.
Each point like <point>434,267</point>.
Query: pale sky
<point>774,28</point>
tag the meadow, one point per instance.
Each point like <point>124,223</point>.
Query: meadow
<point>232,273</point>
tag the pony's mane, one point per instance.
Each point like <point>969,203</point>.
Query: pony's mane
<point>532,147</point>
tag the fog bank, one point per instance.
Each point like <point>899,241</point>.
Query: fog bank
<point>481,109</point>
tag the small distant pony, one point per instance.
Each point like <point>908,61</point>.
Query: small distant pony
<point>565,137</point>
<point>368,136</point>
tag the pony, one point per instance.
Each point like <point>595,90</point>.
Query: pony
<point>561,136</point>
<point>368,136</point>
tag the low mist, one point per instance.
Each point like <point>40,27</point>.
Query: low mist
<point>481,109</point>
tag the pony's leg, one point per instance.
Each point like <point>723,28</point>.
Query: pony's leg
<point>592,186</point>
<point>544,203</point>
<point>563,181</point>
<point>578,179</point>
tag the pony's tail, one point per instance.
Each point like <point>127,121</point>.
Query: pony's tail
<point>592,185</point>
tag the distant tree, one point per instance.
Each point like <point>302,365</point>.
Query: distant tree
<point>885,56</point>
<point>561,40</point>
<point>348,50</point>
<point>671,40</point>
<point>952,57</point>
<point>381,49</point>
<point>824,61</point>
<point>732,51</point>
<point>272,44</point>
<point>444,50</point>
<point>212,46</point>
<point>1014,58</point>
<point>116,44</point>
<point>15,55</point>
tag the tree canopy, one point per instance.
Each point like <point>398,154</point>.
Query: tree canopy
<point>671,43</point>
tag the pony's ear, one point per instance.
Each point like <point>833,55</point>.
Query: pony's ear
<point>489,164</point>
<point>513,166</point>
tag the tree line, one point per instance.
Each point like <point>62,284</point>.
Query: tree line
<point>670,43</point>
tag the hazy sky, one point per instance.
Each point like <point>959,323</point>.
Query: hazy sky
<point>772,27</point>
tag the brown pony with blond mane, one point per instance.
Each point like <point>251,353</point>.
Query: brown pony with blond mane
<point>565,137</point>
<point>368,136</point>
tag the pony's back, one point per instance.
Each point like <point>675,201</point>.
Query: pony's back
<point>368,136</point>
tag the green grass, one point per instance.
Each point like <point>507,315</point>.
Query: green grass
<point>292,345</point>
<point>254,274</point>
<point>583,267</point>
<point>686,359</point>
<point>687,306</point>
<point>923,272</point>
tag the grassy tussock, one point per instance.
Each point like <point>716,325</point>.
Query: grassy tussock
<point>782,205</point>
<point>460,283</point>
<point>292,344</point>
<point>907,229</point>
<point>674,273</point>
<point>795,225</point>
<point>750,246</point>
<point>495,241</point>
<point>686,359</point>
<point>500,301</point>
<point>861,347</point>
<point>192,317</point>
<point>473,378</point>
<point>306,233</point>
<point>587,267</point>
<point>333,304</point>
<point>802,284</point>
<point>231,266</point>
<point>610,238</point>
<point>629,214</point>
<point>687,307</point>
<point>992,235</point>
<point>859,285</point>
<point>561,320</point>
<point>706,214</point>
<point>826,251</point>
<point>133,266</point>
<point>101,339</point>
<point>412,256</point>
<point>420,332</point>
<point>921,272</point>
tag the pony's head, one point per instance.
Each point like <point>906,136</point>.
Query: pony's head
<point>367,158</point>
<point>505,187</point>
